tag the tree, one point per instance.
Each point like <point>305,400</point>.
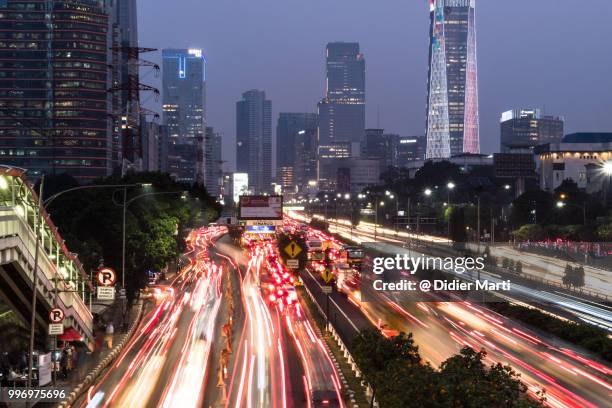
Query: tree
<point>579,277</point>
<point>518,267</point>
<point>568,276</point>
<point>374,353</point>
<point>91,222</point>
<point>465,381</point>
<point>605,232</point>
<point>530,232</point>
<point>394,370</point>
<point>538,201</point>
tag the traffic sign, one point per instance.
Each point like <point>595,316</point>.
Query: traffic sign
<point>326,289</point>
<point>293,249</point>
<point>293,263</point>
<point>327,275</point>
<point>106,277</point>
<point>326,244</point>
<point>56,329</point>
<point>56,315</point>
<point>106,293</point>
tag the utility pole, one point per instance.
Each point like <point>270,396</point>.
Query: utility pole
<point>37,224</point>
<point>478,224</point>
<point>123,240</point>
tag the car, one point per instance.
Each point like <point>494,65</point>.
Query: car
<point>324,399</point>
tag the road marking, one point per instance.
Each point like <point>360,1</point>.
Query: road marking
<point>335,304</point>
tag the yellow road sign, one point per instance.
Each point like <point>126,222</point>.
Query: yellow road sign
<point>326,244</point>
<point>327,275</point>
<point>293,249</point>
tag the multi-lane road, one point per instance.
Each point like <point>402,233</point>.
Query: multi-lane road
<point>217,335</point>
<point>229,331</point>
<point>441,329</point>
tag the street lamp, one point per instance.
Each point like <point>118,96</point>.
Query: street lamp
<point>126,203</point>
<point>42,205</point>
<point>427,192</point>
<point>449,187</point>
<point>606,169</point>
<point>382,204</point>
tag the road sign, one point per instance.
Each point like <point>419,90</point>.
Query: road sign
<point>316,256</point>
<point>326,289</point>
<point>326,245</point>
<point>293,249</point>
<point>293,263</point>
<point>56,329</point>
<point>328,276</point>
<point>56,315</point>
<point>106,277</point>
<point>106,293</point>
<point>122,293</point>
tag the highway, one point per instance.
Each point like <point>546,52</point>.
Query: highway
<point>598,314</point>
<point>165,364</point>
<point>441,329</point>
<point>279,360</point>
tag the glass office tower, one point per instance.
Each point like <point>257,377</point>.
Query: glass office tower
<point>183,103</point>
<point>452,103</point>
<point>342,111</point>
<point>254,140</point>
<point>53,87</point>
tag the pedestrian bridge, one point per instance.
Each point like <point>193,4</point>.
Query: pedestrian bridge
<point>62,282</point>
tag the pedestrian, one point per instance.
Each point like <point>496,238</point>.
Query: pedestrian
<point>69,358</point>
<point>64,364</point>
<point>110,331</point>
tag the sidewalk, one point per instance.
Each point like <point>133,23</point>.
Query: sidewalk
<point>93,358</point>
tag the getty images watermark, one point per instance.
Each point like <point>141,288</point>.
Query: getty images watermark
<point>423,277</point>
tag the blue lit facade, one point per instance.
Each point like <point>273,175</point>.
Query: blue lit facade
<point>183,100</point>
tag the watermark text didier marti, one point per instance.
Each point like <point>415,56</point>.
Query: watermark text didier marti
<point>391,272</point>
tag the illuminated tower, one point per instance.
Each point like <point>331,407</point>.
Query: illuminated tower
<point>452,100</point>
<point>184,105</point>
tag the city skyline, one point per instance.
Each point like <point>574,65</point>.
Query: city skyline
<point>397,81</point>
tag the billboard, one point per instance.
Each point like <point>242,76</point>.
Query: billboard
<point>259,207</point>
<point>241,185</point>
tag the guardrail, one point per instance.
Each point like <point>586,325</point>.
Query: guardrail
<point>345,351</point>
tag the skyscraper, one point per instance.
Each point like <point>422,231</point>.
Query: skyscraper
<point>254,139</point>
<point>524,128</point>
<point>183,81</point>
<point>342,111</point>
<point>53,87</point>
<point>213,161</point>
<point>289,126</point>
<point>124,71</point>
<point>452,101</point>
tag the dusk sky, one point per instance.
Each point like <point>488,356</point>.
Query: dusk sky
<point>554,54</point>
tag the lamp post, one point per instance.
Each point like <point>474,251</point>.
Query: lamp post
<point>125,204</point>
<point>606,168</point>
<point>449,187</point>
<point>382,204</point>
<point>43,205</point>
